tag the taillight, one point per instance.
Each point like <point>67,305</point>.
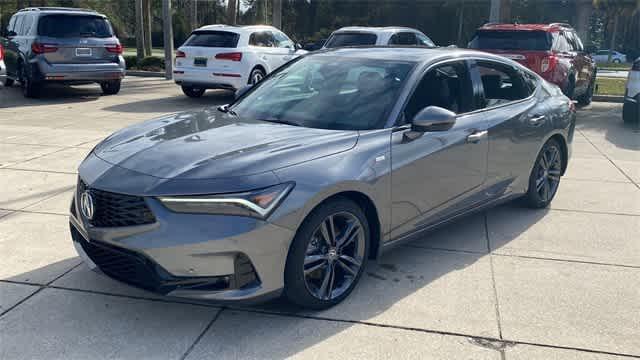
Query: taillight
<point>180,54</point>
<point>1,52</point>
<point>548,63</point>
<point>234,56</point>
<point>39,48</point>
<point>115,48</point>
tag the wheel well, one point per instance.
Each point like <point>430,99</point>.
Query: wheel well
<point>261,68</point>
<point>371,212</point>
<point>563,147</point>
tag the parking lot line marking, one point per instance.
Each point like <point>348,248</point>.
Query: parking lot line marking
<point>206,329</point>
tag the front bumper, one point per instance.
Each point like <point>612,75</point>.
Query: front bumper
<point>205,257</point>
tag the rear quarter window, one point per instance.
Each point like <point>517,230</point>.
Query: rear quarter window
<point>220,39</point>
<point>351,39</point>
<point>511,40</point>
<point>68,26</point>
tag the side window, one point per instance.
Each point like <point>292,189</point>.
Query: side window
<point>12,23</point>
<point>571,39</point>
<point>17,27</point>
<point>447,86</point>
<point>579,45</point>
<point>282,40</point>
<point>26,24</point>
<point>262,39</point>
<point>424,41</point>
<point>501,83</point>
<point>403,38</point>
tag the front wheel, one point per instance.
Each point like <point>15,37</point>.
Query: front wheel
<point>193,92</point>
<point>111,87</point>
<point>8,82</point>
<point>545,176</point>
<point>328,255</point>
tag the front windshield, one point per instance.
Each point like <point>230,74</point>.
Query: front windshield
<point>328,92</point>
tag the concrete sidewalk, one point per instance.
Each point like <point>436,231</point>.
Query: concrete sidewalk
<point>511,283</point>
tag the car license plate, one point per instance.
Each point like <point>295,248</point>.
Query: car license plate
<point>83,52</point>
<point>200,61</point>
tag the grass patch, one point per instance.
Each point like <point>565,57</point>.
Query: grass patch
<point>155,52</point>
<point>614,67</point>
<point>610,86</point>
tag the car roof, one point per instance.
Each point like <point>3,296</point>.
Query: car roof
<point>385,29</point>
<point>553,27</point>
<point>235,29</point>
<point>411,53</point>
<point>60,10</point>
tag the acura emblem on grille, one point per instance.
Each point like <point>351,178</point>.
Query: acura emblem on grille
<point>86,205</point>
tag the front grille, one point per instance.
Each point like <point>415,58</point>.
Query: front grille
<point>121,264</point>
<point>114,210</point>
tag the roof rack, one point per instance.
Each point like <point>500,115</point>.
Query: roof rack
<point>51,8</point>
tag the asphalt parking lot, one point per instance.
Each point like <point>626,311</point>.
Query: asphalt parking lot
<point>512,283</point>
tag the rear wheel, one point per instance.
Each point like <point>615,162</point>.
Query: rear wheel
<point>617,61</point>
<point>545,176</point>
<point>256,76</point>
<point>328,255</point>
<point>8,82</point>
<point>586,98</point>
<point>111,87</point>
<point>631,112</point>
<point>193,92</point>
<point>570,89</point>
<point>30,88</point>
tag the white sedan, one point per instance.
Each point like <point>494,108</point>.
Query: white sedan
<point>230,57</point>
<point>602,56</point>
<point>377,36</point>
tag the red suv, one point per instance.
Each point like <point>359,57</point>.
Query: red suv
<point>552,50</point>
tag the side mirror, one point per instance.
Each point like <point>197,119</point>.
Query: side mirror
<point>242,91</point>
<point>433,118</point>
<point>298,46</point>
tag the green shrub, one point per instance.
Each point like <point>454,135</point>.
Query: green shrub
<point>151,63</point>
<point>131,61</point>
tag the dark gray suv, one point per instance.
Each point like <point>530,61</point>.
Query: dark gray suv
<point>62,45</point>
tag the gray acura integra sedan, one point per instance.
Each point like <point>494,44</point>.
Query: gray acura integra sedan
<point>326,163</point>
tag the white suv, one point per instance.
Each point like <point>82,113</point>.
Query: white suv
<point>631,109</point>
<point>230,57</point>
<point>377,36</point>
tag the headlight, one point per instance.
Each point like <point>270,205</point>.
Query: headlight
<point>257,203</point>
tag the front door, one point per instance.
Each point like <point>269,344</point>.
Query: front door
<point>437,172</point>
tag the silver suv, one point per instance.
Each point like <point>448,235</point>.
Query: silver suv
<point>62,45</point>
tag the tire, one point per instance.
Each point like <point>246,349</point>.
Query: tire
<point>30,88</point>
<point>318,275</point>
<point>193,92</point>
<point>569,91</point>
<point>586,98</point>
<point>631,112</point>
<point>616,61</point>
<point>8,82</point>
<point>544,183</point>
<point>111,87</point>
<point>257,74</point>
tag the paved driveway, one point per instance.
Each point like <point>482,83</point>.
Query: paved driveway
<point>512,283</point>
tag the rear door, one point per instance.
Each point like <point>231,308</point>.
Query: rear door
<point>517,123</point>
<point>266,47</point>
<point>79,39</point>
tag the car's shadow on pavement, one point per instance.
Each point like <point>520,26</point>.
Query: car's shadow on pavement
<point>51,94</point>
<point>172,104</point>
<point>441,282</point>
<point>596,119</point>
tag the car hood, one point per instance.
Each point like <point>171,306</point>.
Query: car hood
<point>210,144</point>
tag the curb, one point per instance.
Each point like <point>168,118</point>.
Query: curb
<point>145,73</point>
<point>608,98</point>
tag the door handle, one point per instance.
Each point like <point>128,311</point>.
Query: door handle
<point>537,120</point>
<point>477,136</point>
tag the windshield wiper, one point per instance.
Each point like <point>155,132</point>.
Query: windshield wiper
<point>278,121</point>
